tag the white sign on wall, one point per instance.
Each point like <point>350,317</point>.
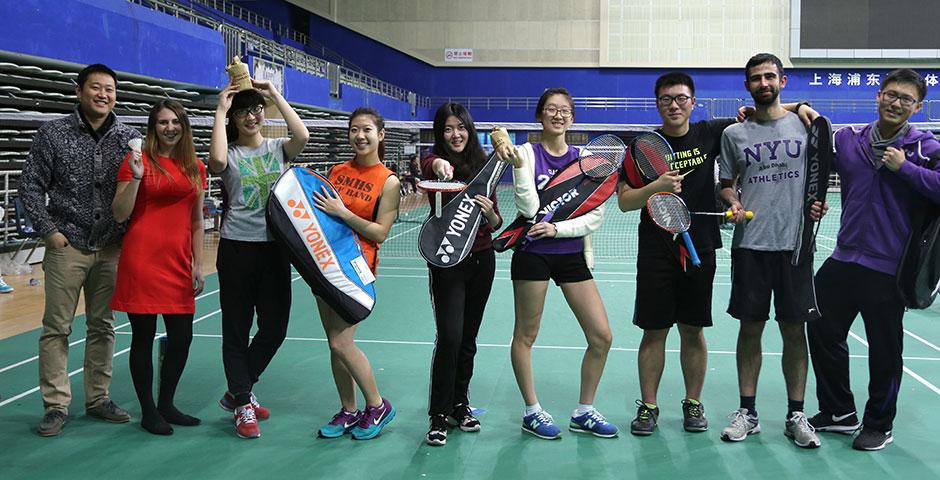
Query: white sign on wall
<point>458,54</point>
<point>268,71</point>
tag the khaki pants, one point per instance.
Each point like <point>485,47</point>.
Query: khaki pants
<point>68,270</point>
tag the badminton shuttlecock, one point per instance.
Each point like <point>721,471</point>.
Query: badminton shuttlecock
<point>135,144</point>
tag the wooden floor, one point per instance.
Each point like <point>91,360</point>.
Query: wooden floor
<point>21,311</point>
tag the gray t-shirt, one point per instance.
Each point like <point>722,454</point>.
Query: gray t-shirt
<point>768,159</point>
<point>248,178</point>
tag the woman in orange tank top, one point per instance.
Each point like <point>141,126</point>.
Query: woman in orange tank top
<point>368,200</point>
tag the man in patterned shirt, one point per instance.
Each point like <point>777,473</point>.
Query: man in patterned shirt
<point>75,160</point>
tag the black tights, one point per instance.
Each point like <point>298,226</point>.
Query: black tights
<point>179,329</point>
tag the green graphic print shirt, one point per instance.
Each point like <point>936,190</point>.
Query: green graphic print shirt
<point>248,178</point>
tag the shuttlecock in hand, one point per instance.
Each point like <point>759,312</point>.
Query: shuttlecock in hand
<point>135,144</point>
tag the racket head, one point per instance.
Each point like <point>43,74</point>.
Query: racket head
<point>669,212</point>
<point>652,154</point>
<point>441,186</point>
<point>602,156</point>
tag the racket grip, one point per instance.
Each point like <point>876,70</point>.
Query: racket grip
<point>748,214</point>
<point>692,253</point>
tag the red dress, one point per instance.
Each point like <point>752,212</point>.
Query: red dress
<point>155,273</point>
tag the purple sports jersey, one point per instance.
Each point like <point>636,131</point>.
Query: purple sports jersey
<point>546,166</point>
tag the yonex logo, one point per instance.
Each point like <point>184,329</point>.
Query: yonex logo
<point>298,209</point>
<point>445,250</point>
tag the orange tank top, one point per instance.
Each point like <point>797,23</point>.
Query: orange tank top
<point>361,188</point>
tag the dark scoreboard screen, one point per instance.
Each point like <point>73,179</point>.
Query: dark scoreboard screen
<point>868,24</point>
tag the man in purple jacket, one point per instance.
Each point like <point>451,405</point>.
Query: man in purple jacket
<point>887,168</point>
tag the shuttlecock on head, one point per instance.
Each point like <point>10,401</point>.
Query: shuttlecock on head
<point>135,144</point>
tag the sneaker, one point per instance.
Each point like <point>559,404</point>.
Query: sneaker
<point>693,416</point>
<point>227,402</point>
<point>825,422</point>
<point>341,423</point>
<point>5,287</point>
<point>645,421</point>
<point>373,420</point>
<point>246,423</point>
<point>742,425</point>
<point>542,425</point>
<point>594,423</point>
<point>52,423</point>
<point>871,439</point>
<point>463,418</point>
<point>437,434</point>
<point>800,431</point>
<point>109,412</point>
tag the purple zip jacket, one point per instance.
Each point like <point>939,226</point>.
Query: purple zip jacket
<point>876,202</point>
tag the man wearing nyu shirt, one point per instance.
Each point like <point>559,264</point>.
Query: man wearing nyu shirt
<point>888,170</point>
<point>765,158</point>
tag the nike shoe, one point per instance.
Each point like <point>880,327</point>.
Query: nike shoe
<point>373,420</point>
<point>341,423</point>
<point>827,422</point>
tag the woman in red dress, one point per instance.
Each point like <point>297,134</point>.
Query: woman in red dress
<point>159,193</point>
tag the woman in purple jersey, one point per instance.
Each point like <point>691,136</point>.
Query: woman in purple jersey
<point>558,253</point>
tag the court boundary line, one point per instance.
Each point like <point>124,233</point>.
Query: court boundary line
<point>906,370</point>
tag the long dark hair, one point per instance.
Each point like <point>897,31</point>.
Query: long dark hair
<point>243,99</point>
<point>377,119</point>
<point>468,162</point>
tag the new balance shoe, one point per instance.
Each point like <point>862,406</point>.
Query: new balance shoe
<point>341,423</point>
<point>246,423</point>
<point>742,425</point>
<point>871,439</point>
<point>594,423</point>
<point>5,287</point>
<point>693,416</point>
<point>462,417</point>
<point>645,421</point>
<point>437,433</point>
<point>800,431</point>
<point>227,402</point>
<point>542,425</point>
<point>373,420</point>
<point>827,422</point>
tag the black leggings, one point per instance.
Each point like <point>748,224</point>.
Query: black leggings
<point>458,297</point>
<point>179,336</point>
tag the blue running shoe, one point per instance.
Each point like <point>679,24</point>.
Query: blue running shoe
<point>594,423</point>
<point>542,425</point>
<point>341,423</point>
<point>4,287</point>
<point>373,420</point>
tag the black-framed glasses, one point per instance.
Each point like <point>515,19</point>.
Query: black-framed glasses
<point>243,112</point>
<point>666,100</point>
<point>552,110</point>
<point>889,96</point>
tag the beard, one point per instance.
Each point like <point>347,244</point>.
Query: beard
<point>765,101</point>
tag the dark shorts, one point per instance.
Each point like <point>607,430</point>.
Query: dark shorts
<point>665,295</point>
<point>560,267</point>
<point>755,275</point>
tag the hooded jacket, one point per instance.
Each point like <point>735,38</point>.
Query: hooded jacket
<point>876,202</point>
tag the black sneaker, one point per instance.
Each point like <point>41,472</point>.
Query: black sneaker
<point>645,421</point>
<point>693,416</point>
<point>871,439</point>
<point>52,423</point>
<point>109,412</point>
<point>437,434</point>
<point>463,418</point>
<point>826,422</point>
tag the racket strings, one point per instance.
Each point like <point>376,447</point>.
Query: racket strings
<point>652,155</point>
<point>669,213</point>
<point>597,166</point>
<point>607,147</point>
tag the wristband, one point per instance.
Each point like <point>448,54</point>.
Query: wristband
<point>798,105</point>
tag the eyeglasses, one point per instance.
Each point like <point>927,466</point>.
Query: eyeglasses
<point>889,96</point>
<point>243,112</point>
<point>552,110</point>
<point>666,100</point>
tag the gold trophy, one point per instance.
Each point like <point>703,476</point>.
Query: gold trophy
<point>238,74</point>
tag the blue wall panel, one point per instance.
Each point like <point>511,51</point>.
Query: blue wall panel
<point>122,35</point>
